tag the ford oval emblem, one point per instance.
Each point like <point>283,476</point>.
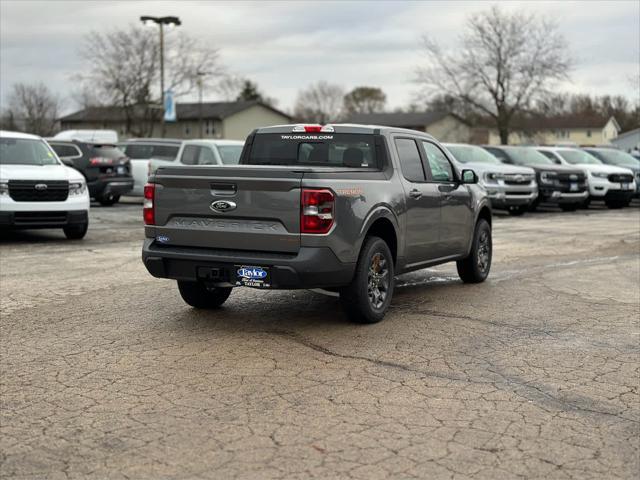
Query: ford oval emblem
<point>573,177</point>
<point>222,206</point>
<point>40,186</point>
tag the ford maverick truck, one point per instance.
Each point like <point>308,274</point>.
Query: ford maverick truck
<point>339,207</point>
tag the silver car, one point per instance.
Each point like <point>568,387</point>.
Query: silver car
<point>509,187</point>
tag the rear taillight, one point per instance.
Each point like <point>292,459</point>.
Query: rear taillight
<point>316,210</point>
<point>101,161</point>
<point>148,208</point>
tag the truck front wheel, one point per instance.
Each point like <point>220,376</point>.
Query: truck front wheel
<point>367,298</point>
<point>76,232</point>
<point>198,295</point>
<point>475,268</point>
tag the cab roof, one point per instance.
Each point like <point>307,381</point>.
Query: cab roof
<point>340,128</point>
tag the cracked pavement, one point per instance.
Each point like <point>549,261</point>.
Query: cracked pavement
<point>107,374</point>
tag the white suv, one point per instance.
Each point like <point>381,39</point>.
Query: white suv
<point>615,185</point>
<point>37,190</point>
<point>203,152</point>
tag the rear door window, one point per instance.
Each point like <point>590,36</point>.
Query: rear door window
<point>410,162</point>
<point>206,156</point>
<point>66,151</point>
<point>306,149</point>
<point>230,154</point>
<point>190,155</point>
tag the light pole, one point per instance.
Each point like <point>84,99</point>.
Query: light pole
<point>201,75</point>
<point>161,22</point>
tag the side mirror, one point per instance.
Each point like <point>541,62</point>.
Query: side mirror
<point>68,162</point>
<point>469,177</point>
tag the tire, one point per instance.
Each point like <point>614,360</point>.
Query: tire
<point>534,205</point>
<point>475,268</point>
<point>76,232</point>
<point>108,200</point>
<point>569,207</point>
<point>517,211</point>
<point>586,203</point>
<point>198,295</point>
<point>367,298</point>
<point>618,203</point>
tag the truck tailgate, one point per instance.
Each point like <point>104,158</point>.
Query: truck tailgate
<point>262,208</point>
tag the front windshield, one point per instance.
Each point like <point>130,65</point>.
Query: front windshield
<point>616,157</point>
<point>26,151</point>
<point>528,156</point>
<point>230,154</point>
<point>471,154</point>
<point>578,157</point>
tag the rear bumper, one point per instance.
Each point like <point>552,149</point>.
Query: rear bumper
<point>310,267</point>
<point>108,186</point>
<point>42,219</point>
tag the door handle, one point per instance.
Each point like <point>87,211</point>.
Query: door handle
<point>415,193</point>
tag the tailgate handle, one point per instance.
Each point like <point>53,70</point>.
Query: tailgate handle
<point>223,189</point>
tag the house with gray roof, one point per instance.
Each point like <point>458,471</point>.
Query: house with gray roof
<point>230,120</point>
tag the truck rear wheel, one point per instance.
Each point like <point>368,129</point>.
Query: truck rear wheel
<point>198,295</point>
<point>475,268</point>
<point>367,298</point>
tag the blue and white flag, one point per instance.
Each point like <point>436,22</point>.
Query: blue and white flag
<point>169,107</point>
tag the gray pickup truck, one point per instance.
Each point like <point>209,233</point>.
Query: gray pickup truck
<point>339,207</point>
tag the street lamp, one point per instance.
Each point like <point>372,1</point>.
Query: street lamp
<point>161,22</point>
<point>201,76</point>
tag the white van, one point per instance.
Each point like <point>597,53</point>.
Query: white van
<point>91,136</point>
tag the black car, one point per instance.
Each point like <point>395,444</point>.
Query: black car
<point>563,185</point>
<point>106,167</point>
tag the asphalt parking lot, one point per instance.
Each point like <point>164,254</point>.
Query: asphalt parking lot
<point>106,373</point>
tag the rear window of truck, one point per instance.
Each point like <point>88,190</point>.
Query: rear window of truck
<point>310,149</point>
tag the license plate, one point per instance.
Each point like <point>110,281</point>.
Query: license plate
<point>253,276</point>
<point>625,186</point>
<point>121,170</point>
<point>573,187</point>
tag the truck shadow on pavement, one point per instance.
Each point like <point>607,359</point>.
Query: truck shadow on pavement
<point>286,310</point>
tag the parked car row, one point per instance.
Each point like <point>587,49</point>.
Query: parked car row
<point>518,179</point>
<point>48,185</point>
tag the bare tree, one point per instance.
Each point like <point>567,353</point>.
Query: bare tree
<point>505,62</point>
<point>123,70</point>
<point>230,87</point>
<point>32,108</point>
<point>365,100</point>
<point>320,103</point>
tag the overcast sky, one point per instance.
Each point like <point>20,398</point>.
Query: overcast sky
<point>286,46</point>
